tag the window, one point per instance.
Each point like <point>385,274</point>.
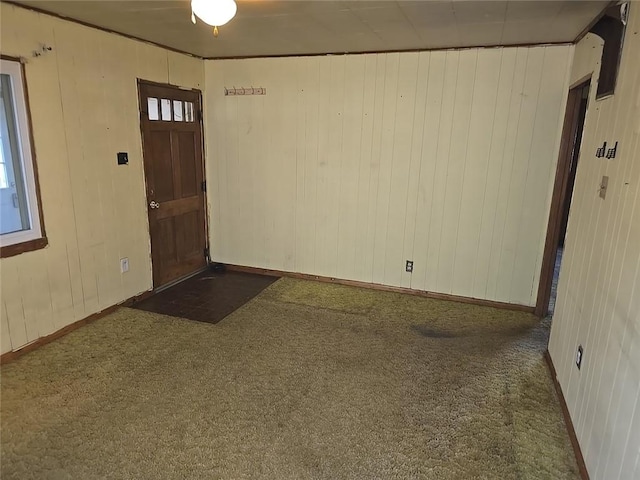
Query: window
<point>21,228</point>
<point>182,111</point>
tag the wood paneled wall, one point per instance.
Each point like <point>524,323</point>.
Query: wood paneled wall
<point>351,165</point>
<point>598,303</point>
<point>83,99</point>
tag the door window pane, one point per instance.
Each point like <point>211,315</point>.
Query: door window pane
<point>177,111</point>
<point>165,103</point>
<point>14,207</point>
<point>152,107</point>
<point>188,111</point>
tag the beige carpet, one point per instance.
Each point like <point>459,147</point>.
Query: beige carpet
<point>308,380</point>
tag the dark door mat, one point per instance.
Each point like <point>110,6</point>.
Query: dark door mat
<point>207,297</point>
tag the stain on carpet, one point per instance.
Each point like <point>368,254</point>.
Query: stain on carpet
<point>432,332</point>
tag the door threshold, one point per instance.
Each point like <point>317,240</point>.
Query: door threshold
<point>173,283</point>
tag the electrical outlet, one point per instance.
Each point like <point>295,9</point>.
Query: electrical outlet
<point>409,266</point>
<point>579,357</point>
<point>124,264</point>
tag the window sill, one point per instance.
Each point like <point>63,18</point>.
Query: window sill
<point>18,248</point>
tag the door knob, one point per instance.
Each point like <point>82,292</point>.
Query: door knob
<point>153,205</point>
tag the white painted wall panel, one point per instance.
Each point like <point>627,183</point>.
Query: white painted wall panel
<point>598,303</point>
<point>84,108</point>
<point>362,162</point>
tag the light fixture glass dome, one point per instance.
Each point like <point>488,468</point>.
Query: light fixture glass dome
<point>214,12</point>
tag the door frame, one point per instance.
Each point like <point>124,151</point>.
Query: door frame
<point>570,127</point>
<point>200,121</point>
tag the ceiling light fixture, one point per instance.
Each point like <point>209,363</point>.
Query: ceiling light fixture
<point>213,12</point>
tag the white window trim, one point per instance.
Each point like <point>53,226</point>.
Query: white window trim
<point>14,70</point>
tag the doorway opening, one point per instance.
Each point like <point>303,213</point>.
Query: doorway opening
<point>572,130</point>
<point>171,124</point>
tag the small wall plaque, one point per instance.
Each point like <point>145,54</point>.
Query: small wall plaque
<point>604,152</point>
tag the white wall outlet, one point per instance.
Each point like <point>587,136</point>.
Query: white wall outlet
<point>124,264</point>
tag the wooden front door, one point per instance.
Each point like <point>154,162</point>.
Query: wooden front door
<point>172,146</point>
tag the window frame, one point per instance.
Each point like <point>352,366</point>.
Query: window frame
<point>35,238</point>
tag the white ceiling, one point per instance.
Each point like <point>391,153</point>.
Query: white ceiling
<point>276,27</point>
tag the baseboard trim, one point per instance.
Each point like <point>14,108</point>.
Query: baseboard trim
<point>12,355</point>
<point>582,467</point>
<point>384,288</point>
